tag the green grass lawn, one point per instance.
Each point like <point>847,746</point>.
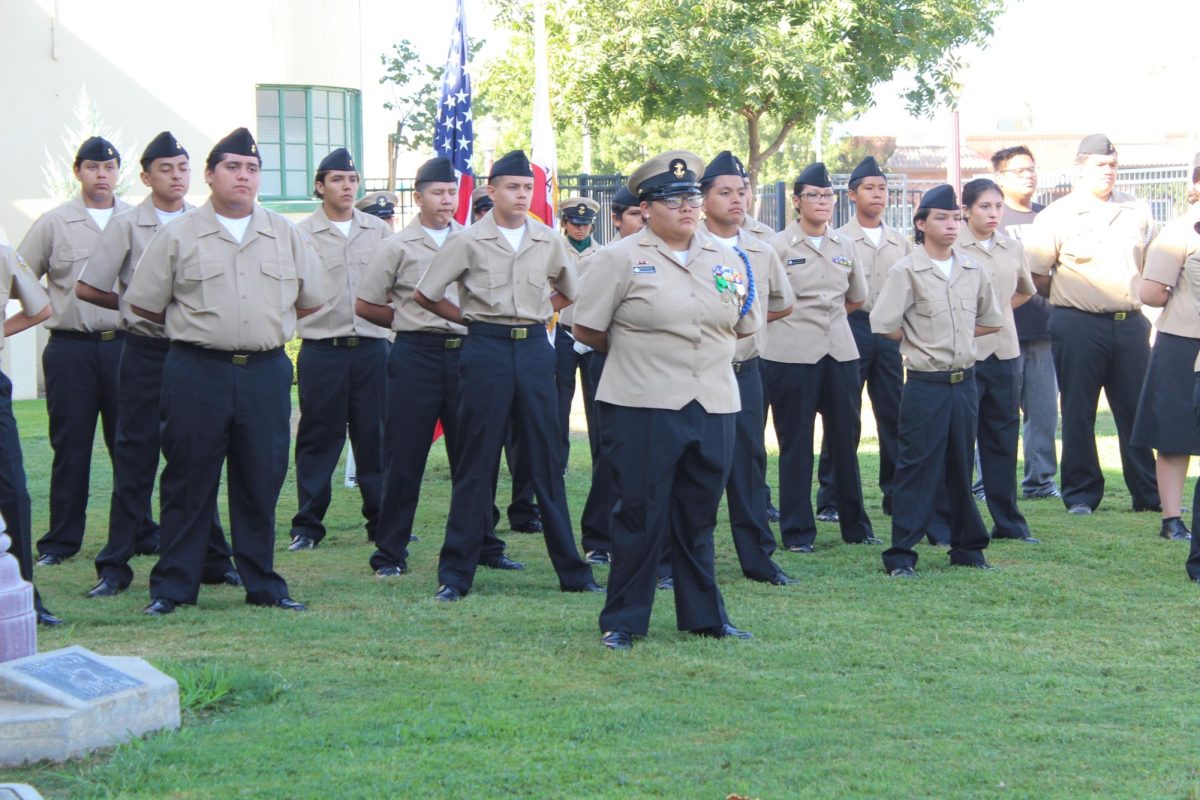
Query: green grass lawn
<point>1068,672</point>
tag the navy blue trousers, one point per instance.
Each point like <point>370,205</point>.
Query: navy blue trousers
<point>881,372</point>
<point>1193,561</point>
<point>746,489</point>
<point>997,383</point>
<point>135,465</point>
<point>15,505</point>
<point>215,411</point>
<point>503,380</point>
<point>422,388</point>
<point>602,495</point>
<point>338,387</point>
<point>566,364</point>
<point>523,509</point>
<point>1094,352</point>
<point>670,468</point>
<point>937,454</point>
<point>81,384</point>
<point>798,393</point>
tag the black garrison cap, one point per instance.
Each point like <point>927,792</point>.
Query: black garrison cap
<point>165,145</point>
<point>726,163</point>
<point>1096,145</point>
<point>813,175</point>
<point>514,163</point>
<point>339,160</point>
<point>436,170</point>
<point>867,168</point>
<point>97,148</point>
<point>237,143</point>
<point>940,197</point>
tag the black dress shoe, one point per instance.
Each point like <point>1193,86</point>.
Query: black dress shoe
<point>590,586</point>
<point>1025,539</point>
<point>231,578</point>
<point>1080,509</point>
<point>533,526</point>
<point>772,513</point>
<point>1174,529</point>
<point>616,640</point>
<point>903,572</point>
<point>107,587</point>
<point>598,557</point>
<point>49,560</point>
<point>782,579</point>
<point>447,594</point>
<point>868,540</point>
<point>47,620</point>
<point>972,565</point>
<point>725,631</point>
<point>827,514</point>
<point>302,542</point>
<point>800,548</point>
<point>503,562</point>
<point>391,571</point>
<point>288,604</point>
<point>666,584</point>
<point>159,607</point>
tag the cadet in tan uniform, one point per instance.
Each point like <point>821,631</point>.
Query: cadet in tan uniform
<point>997,369</point>
<point>877,246</point>
<point>18,283</point>
<point>166,169</point>
<point>935,302</point>
<point>422,366</point>
<point>81,359</point>
<point>667,305</point>
<point>1086,251</point>
<point>626,213</point>
<point>811,364</point>
<point>229,281</point>
<point>724,186</point>
<point>1165,415</point>
<point>481,203</point>
<point>380,204</point>
<point>341,371</point>
<point>579,222</point>
<point>513,273</point>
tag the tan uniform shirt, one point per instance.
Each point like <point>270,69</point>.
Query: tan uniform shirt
<point>392,277</point>
<point>497,285</point>
<point>757,229</point>
<point>17,282</point>
<point>1095,249</point>
<point>1008,267</point>
<point>57,246</point>
<point>345,260</point>
<point>875,261</point>
<point>822,281</point>
<point>223,295</point>
<point>116,254</point>
<point>1174,260</point>
<point>671,330</point>
<point>938,316</point>
<point>566,317</point>
<point>771,285</point>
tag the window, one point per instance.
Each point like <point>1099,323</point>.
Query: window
<point>297,127</point>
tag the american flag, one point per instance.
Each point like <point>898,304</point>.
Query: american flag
<point>455,131</point>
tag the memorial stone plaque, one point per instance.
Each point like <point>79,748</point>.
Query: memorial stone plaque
<point>78,675</point>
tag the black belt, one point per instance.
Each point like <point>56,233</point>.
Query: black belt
<point>950,376</point>
<point>432,340</point>
<point>146,342</point>
<point>228,356</point>
<point>1115,316</point>
<point>341,341</point>
<point>494,331</point>
<point>86,336</point>
<point>745,366</point>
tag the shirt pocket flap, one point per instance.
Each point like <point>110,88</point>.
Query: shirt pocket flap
<point>931,308</point>
<point>279,270</point>
<point>203,270</point>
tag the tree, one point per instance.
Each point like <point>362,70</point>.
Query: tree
<point>775,65</point>
<point>416,88</point>
<point>58,174</point>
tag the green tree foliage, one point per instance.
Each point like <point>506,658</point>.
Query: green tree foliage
<point>58,173</point>
<point>415,89</point>
<point>771,66</point>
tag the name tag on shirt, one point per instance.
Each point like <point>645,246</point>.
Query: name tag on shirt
<point>644,269</point>
<point>791,262</point>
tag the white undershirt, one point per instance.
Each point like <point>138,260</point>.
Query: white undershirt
<point>874,234</point>
<point>681,256</point>
<point>236,227</point>
<point>943,265</point>
<point>440,236</point>
<point>344,227</point>
<point>816,241</point>
<point>730,241</point>
<point>101,215</point>
<point>986,244</point>
<point>166,216</point>
<point>514,236</point>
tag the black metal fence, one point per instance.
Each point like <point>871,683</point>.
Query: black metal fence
<point>1163,188</point>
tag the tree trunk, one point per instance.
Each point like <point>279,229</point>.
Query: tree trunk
<point>756,155</point>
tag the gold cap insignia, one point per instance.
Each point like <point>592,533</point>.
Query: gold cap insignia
<point>381,200</point>
<point>253,148</point>
<point>582,210</point>
<point>678,167</point>
<point>110,152</point>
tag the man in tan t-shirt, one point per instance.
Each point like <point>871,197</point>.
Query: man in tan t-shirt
<point>1086,252</point>
<point>229,281</point>
<point>81,360</point>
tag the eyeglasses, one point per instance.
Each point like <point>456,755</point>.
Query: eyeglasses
<point>1021,171</point>
<point>818,197</point>
<point>677,200</point>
